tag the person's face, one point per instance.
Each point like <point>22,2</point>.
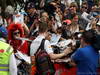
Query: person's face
<point>75,19</point>
<point>84,8</point>
<point>16,34</point>
<point>72,9</point>
<point>31,10</point>
<point>98,28</point>
<point>44,17</point>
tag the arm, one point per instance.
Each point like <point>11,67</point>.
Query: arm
<point>12,65</point>
<point>64,53</point>
<point>71,62</point>
<point>25,28</point>
<point>56,56</point>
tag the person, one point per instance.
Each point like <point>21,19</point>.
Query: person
<point>86,58</point>
<point>66,33</point>
<point>31,14</point>
<point>15,33</point>
<point>72,10</point>
<point>82,22</point>
<point>42,35</point>
<point>74,27</point>
<point>7,58</point>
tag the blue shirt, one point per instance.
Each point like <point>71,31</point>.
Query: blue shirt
<point>87,60</point>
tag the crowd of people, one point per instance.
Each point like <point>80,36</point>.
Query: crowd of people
<point>69,30</point>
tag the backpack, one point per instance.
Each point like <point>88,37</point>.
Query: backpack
<point>43,61</point>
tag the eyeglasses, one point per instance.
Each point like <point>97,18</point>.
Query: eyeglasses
<point>15,33</point>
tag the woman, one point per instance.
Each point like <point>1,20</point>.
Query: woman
<point>16,31</point>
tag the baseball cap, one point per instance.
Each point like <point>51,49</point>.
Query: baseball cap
<point>67,22</point>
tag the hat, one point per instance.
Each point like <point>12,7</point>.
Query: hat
<point>3,31</point>
<point>98,24</point>
<point>30,5</point>
<point>67,21</point>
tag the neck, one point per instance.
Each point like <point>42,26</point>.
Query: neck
<point>44,34</point>
<point>86,44</point>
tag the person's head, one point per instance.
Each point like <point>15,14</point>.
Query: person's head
<point>75,18</point>
<point>15,30</point>
<point>30,8</point>
<point>9,11</point>
<point>3,32</point>
<point>73,7</point>
<point>84,7</point>
<point>88,37</point>
<point>66,24</point>
<point>44,16</point>
<point>43,27</point>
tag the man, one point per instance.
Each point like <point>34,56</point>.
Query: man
<point>42,35</point>
<point>7,59</point>
<point>36,43</point>
<point>86,58</point>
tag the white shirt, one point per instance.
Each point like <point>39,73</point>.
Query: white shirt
<point>36,43</point>
<point>13,65</point>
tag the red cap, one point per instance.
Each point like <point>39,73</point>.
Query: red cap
<point>67,21</point>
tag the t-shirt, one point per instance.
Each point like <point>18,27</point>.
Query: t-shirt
<point>87,60</point>
<point>36,43</point>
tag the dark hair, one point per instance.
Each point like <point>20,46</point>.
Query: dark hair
<point>93,38</point>
<point>43,27</point>
<point>89,36</point>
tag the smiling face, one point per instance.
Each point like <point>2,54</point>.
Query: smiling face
<point>84,8</point>
<point>72,9</point>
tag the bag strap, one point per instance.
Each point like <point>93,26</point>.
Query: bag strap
<point>41,47</point>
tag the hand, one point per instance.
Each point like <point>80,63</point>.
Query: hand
<point>67,51</point>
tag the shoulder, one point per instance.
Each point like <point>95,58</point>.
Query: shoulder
<point>6,46</point>
<point>46,41</point>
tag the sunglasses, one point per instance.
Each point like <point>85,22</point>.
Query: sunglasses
<point>15,33</point>
<point>84,7</point>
